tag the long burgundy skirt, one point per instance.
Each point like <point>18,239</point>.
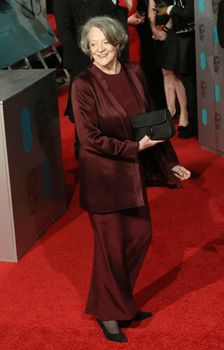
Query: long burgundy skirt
<point>121,242</point>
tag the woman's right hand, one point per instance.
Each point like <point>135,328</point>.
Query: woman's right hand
<point>146,142</point>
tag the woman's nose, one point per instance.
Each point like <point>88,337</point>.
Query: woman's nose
<point>101,47</point>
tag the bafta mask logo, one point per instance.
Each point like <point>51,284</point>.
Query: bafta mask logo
<point>203,86</point>
<point>201,29</point>
<point>215,4</point>
<point>216,62</point>
<point>218,121</point>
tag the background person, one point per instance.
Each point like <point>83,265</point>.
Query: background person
<point>151,69</point>
<point>164,46</point>
<point>105,96</point>
<point>180,49</point>
<point>135,18</point>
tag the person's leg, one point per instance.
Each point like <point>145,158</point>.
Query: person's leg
<point>189,81</point>
<point>169,88</point>
<point>190,86</point>
<point>182,100</point>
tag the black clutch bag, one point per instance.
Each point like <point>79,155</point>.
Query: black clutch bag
<point>158,125</point>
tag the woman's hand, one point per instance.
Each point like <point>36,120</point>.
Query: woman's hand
<point>159,34</point>
<point>136,19</point>
<point>160,11</point>
<point>180,172</point>
<point>146,142</point>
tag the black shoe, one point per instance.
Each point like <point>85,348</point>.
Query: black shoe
<point>181,128</point>
<point>142,315</point>
<point>187,133</point>
<point>119,337</point>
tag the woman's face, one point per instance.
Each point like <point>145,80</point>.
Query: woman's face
<point>103,53</point>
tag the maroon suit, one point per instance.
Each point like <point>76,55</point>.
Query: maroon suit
<point>111,185</point>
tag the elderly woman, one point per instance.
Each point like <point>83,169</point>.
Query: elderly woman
<point>105,97</point>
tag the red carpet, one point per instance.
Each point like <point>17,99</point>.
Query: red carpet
<point>43,296</point>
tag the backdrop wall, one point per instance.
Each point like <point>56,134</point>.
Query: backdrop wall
<point>210,76</point>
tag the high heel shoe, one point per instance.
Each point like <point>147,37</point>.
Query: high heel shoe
<point>181,128</point>
<point>188,132</point>
<point>119,337</point>
<point>142,315</point>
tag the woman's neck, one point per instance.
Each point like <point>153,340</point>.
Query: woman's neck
<point>112,69</point>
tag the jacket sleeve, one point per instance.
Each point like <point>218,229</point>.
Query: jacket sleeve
<point>89,132</point>
<point>186,11</point>
<point>67,31</point>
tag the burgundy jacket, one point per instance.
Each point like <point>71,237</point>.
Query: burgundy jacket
<point>110,176</point>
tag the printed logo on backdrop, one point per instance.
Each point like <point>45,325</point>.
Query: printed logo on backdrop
<point>217,93</point>
<point>218,121</point>
<point>204,116</point>
<point>203,86</point>
<point>203,61</point>
<point>27,137</point>
<point>215,35</point>
<point>201,4</point>
<point>201,30</point>
<point>216,63</point>
<point>215,4</point>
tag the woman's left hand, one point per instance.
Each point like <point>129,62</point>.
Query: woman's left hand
<point>136,19</point>
<point>181,173</point>
<point>160,11</point>
<point>159,35</point>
